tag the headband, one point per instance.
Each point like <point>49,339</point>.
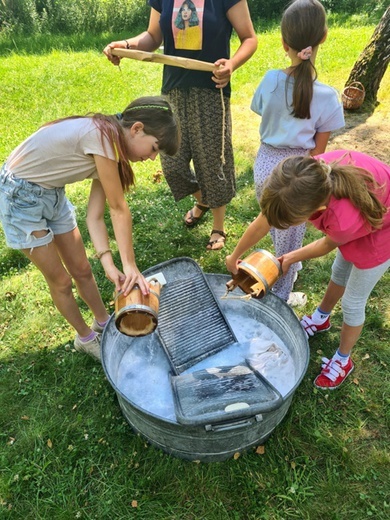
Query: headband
<point>148,106</point>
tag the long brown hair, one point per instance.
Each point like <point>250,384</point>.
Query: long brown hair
<point>303,25</point>
<point>158,119</point>
<point>299,185</point>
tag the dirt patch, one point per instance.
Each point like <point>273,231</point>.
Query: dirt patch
<point>364,132</point>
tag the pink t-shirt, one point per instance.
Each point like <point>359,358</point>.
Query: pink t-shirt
<point>360,244</point>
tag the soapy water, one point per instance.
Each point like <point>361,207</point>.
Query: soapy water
<point>143,373</point>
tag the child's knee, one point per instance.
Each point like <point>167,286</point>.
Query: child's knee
<point>62,283</point>
<point>82,272</point>
<point>354,313</point>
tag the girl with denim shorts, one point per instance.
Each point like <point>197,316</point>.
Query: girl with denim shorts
<point>39,220</point>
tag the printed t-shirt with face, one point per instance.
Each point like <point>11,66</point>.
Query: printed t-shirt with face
<point>208,40</point>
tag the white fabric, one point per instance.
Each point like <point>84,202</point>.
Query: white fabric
<point>278,128</point>
<point>60,154</point>
<point>297,299</point>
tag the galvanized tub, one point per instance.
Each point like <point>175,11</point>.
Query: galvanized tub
<point>211,442</point>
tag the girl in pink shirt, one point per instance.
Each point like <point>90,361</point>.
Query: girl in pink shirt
<point>345,194</point>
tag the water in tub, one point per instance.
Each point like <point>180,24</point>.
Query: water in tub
<point>143,374</point>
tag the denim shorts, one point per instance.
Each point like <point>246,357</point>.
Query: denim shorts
<point>26,207</point>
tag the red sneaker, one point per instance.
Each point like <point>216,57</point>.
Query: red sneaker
<point>312,328</point>
<point>333,374</point>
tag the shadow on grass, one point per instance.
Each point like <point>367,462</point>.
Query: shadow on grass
<point>45,44</point>
<point>355,121</point>
<point>244,177</point>
<point>12,259</point>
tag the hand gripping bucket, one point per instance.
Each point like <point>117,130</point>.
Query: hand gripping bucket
<point>257,274</point>
<point>137,314</point>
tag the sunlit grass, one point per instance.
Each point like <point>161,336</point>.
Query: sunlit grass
<point>66,451</point>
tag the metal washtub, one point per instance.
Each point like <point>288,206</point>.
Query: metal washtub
<point>192,324</point>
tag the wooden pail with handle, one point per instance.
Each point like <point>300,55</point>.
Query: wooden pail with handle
<point>137,314</point>
<point>257,274</point>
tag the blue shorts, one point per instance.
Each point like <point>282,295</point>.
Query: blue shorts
<point>26,207</point>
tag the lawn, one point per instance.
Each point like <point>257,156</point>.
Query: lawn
<point>66,450</point>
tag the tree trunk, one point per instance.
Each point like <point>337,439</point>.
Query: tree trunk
<point>371,65</point>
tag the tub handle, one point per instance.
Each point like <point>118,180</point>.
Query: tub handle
<point>232,425</point>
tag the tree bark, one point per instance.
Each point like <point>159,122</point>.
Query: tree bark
<point>372,63</point>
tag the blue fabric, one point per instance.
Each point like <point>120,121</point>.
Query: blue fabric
<point>26,207</point>
<point>279,128</point>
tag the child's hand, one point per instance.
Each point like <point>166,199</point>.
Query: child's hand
<point>115,276</point>
<point>231,264</point>
<point>284,262</point>
<point>134,277</point>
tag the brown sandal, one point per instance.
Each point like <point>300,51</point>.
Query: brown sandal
<point>220,241</point>
<point>192,220</point>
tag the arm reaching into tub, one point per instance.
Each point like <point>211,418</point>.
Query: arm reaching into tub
<point>253,234</point>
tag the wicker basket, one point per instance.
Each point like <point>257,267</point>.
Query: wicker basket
<point>353,95</point>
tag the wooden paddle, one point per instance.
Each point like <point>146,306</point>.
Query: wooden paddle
<point>175,61</point>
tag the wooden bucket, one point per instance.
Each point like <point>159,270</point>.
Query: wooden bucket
<point>137,314</point>
<point>257,274</point>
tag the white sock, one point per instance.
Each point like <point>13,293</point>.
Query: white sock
<point>342,358</point>
<point>319,317</point>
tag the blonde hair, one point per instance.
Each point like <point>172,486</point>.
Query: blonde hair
<point>299,185</point>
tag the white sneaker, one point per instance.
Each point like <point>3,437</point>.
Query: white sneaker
<point>297,299</point>
<point>96,327</point>
<point>91,347</point>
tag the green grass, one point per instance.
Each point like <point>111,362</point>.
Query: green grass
<point>66,451</point>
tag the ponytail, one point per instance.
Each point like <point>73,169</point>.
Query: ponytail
<point>303,89</point>
<point>360,187</point>
<point>303,27</point>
